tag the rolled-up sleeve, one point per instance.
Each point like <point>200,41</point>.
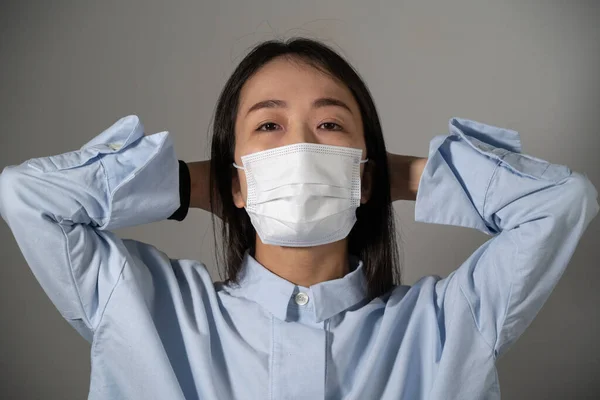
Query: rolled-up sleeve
<point>62,208</point>
<point>477,177</point>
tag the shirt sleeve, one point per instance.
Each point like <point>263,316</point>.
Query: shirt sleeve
<point>536,211</point>
<point>62,208</point>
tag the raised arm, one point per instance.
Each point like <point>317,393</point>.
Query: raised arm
<point>62,208</point>
<point>537,211</point>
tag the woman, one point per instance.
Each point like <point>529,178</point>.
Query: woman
<point>312,306</point>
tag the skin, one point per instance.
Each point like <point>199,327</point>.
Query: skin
<point>286,102</point>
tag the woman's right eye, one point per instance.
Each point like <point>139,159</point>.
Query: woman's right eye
<point>269,126</point>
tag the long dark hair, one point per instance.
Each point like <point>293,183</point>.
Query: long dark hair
<point>373,238</point>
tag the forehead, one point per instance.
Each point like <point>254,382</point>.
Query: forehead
<point>288,78</point>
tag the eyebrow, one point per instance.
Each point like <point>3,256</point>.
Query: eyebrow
<point>322,102</point>
<point>267,104</point>
<point>329,101</point>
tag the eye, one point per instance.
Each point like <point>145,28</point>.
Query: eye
<point>330,126</point>
<point>268,126</point>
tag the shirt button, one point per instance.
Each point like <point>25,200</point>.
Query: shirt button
<point>301,298</point>
<point>115,146</point>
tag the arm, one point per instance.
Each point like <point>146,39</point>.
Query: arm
<point>62,208</point>
<point>405,174</point>
<point>536,212</point>
<point>200,184</point>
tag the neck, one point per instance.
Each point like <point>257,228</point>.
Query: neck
<point>305,266</point>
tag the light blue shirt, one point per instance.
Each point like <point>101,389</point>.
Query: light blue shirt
<point>161,329</point>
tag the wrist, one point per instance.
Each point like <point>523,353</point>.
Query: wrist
<point>405,174</point>
<point>200,181</point>
<point>416,171</point>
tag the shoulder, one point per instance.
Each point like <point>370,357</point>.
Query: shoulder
<point>425,283</point>
<point>423,290</point>
<point>147,258</point>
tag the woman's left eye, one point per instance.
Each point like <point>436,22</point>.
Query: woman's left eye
<point>330,126</point>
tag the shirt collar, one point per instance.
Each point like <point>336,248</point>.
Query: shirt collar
<point>276,294</point>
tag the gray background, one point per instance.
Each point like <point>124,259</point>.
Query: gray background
<point>68,70</point>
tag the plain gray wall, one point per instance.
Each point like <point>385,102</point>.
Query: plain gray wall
<point>68,70</point>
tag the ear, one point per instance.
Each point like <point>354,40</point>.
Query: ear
<point>236,191</point>
<point>366,182</point>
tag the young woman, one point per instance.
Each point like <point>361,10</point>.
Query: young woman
<point>312,306</point>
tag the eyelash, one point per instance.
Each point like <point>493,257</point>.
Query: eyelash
<point>262,126</point>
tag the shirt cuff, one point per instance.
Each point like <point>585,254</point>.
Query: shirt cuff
<point>184,192</point>
<point>453,189</point>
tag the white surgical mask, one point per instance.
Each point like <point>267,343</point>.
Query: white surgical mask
<point>303,194</point>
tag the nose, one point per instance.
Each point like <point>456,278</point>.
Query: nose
<point>301,134</point>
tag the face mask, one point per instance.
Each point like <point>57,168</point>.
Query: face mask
<point>303,194</point>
